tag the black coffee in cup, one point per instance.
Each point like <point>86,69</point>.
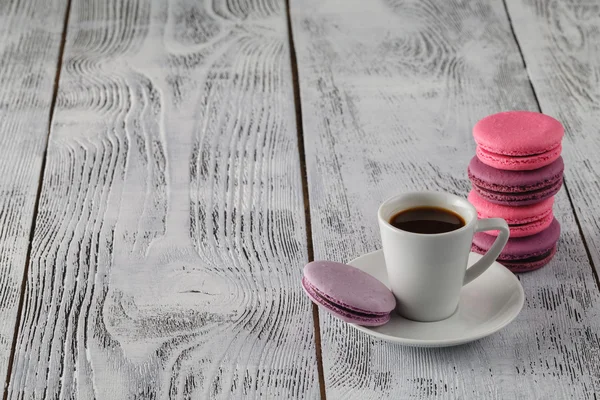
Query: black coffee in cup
<point>427,220</point>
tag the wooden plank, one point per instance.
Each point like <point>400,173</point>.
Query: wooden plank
<point>171,237</point>
<point>30,38</point>
<point>561,45</point>
<point>390,91</point>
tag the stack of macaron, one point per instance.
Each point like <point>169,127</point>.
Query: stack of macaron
<point>348,293</point>
<point>516,173</point>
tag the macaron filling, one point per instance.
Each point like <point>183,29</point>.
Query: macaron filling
<point>518,153</point>
<point>332,302</point>
<point>508,258</point>
<point>518,198</point>
<point>518,163</point>
<point>526,264</point>
<point>531,259</point>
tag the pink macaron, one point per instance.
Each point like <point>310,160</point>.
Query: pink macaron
<point>522,220</point>
<point>518,140</point>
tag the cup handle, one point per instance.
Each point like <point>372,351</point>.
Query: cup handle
<point>491,224</point>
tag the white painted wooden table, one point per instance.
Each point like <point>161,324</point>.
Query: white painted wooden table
<point>167,168</point>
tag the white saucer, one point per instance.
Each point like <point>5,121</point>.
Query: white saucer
<point>487,304</point>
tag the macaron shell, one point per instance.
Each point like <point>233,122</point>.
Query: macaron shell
<point>520,248</point>
<point>521,163</point>
<point>498,180</point>
<point>518,133</point>
<point>349,287</point>
<point>341,313</point>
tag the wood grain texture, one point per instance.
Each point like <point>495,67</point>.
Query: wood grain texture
<point>390,91</point>
<point>170,237</point>
<point>561,45</point>
<point>30,37</point>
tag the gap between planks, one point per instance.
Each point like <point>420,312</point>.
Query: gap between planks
<point>585,244</point>
<point>305,194</point>
<point>61,50</point>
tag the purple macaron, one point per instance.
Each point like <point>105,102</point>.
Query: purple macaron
<point>522,254</point>
<point>516,188</point>
<point>348,293</point>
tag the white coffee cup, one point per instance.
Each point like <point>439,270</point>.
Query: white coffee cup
<point>427,271</point>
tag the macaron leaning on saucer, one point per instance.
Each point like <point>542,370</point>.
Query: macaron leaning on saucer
<point>518,140</point>
<point>522,220</point>
<point>348,293</point>
<point>516,188</point>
